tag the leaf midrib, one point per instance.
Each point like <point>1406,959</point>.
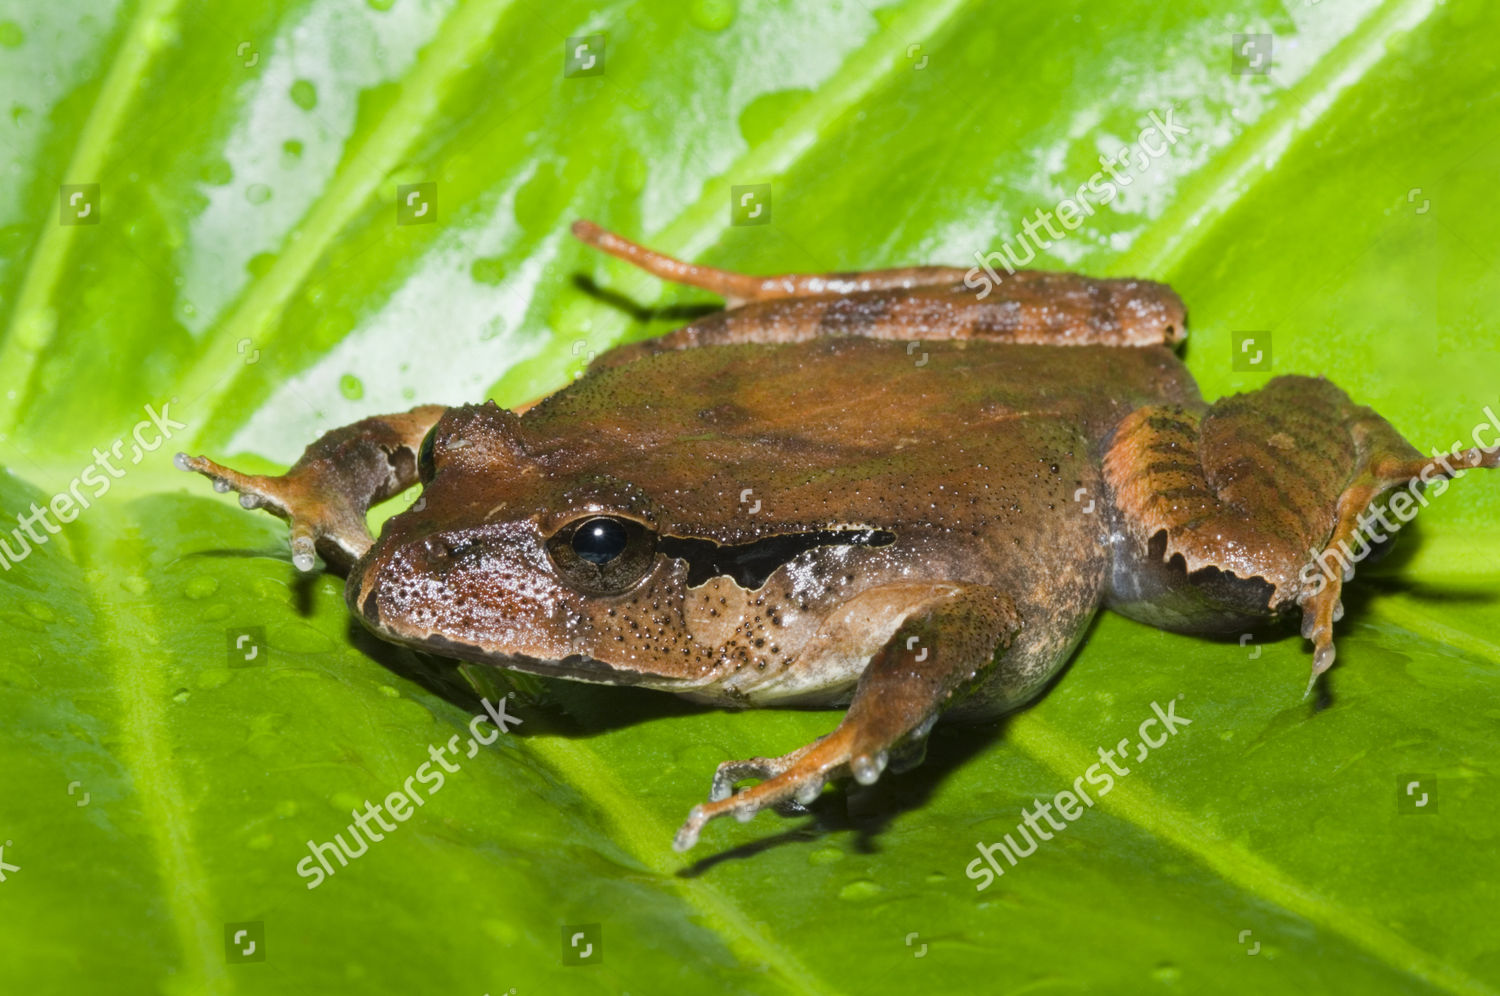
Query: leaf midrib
<point>459,42</point>
<point>1232,863</point>
<point>1213,193</point>
<point>19,354</point>
<point>136,674</point>
<point>642,834</point>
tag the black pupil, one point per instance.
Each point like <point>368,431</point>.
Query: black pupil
<point>599,540</point>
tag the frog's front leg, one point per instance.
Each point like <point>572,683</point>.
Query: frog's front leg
<point>327,492</point>
<point>939,652</point>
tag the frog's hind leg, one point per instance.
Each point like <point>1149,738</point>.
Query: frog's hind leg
<point>1264,503</point>
<point>909,303</point>
<point>740,288</point>
<point>1320,603</point>
<point>937,653</point>
<point>327,492</point>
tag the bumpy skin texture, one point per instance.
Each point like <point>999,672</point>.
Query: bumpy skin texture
<point>873,489</point>
<point>971,460</point>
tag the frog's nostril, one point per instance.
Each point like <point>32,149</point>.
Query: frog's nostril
<point>442,548</point>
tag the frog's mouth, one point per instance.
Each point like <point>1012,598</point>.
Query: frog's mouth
<point>575,667</point>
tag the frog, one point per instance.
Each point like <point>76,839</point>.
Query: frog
<point>874,491</point>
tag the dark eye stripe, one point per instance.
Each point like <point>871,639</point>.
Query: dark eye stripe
<point>426,468</point>
<point>750,564</point>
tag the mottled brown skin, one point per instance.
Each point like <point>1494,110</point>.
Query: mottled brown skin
<point>872,489</point>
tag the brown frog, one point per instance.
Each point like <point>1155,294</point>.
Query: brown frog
<point>875,489</point>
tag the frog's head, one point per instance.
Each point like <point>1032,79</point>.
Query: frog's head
<point>541,556</point>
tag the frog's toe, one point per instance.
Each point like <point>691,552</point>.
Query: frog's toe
<point>1320,610</point>
<point>316,520</point>
<point>761,768</point>
<point>731,772</point>
<point>790,784</point>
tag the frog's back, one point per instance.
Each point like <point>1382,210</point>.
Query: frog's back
<point>715,419</point>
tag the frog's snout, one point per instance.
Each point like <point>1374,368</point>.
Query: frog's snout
<point>397,574</point>
<point>473,585</point>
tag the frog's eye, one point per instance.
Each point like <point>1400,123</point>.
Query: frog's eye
<point>600,540</point>
<point>603,554</point>
<point>427,458</point>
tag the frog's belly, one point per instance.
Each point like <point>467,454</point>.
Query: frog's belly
<point>831,684</point>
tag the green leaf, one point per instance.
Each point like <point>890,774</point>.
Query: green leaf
<point>241,268</point>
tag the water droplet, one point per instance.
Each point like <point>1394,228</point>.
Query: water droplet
<point>488,271</point>
<point>825,856</point>
<point>286,809</point>
<point>388,691</point>
<point>859,889</point>
<point>260,264</point>
<point>181,695</point>
<point>217,172</point>
<point>492,328</point>
<point>1166,972</point>
<point>37,610</point>
<point>201,586</point>
<point>712,15</point>
<point>304,94</point>
<point>261,842</point>
<point>11,35</point>
<point>351,387</point>
<point>500,931</point>
<point>346,800</point>
<point>257,193</point>
<point>161,33</point>
<point>541,201</point>
<point>764,115</point>
<point>212,677</point>
<point>136,585</point>
<point>291,153</point>
<point>298,638</point>
<point>267,722</point>
<point>381,4</point>
<point>410,713</point>
<point>633,172</point>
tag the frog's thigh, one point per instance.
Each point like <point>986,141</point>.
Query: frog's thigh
<point>1062,310</point>
<point>327,492</point>
<point>1265,488</point>
<point>938,652</point>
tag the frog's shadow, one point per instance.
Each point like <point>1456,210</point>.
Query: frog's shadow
<point>571,709</point>
<point>639,313</point>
